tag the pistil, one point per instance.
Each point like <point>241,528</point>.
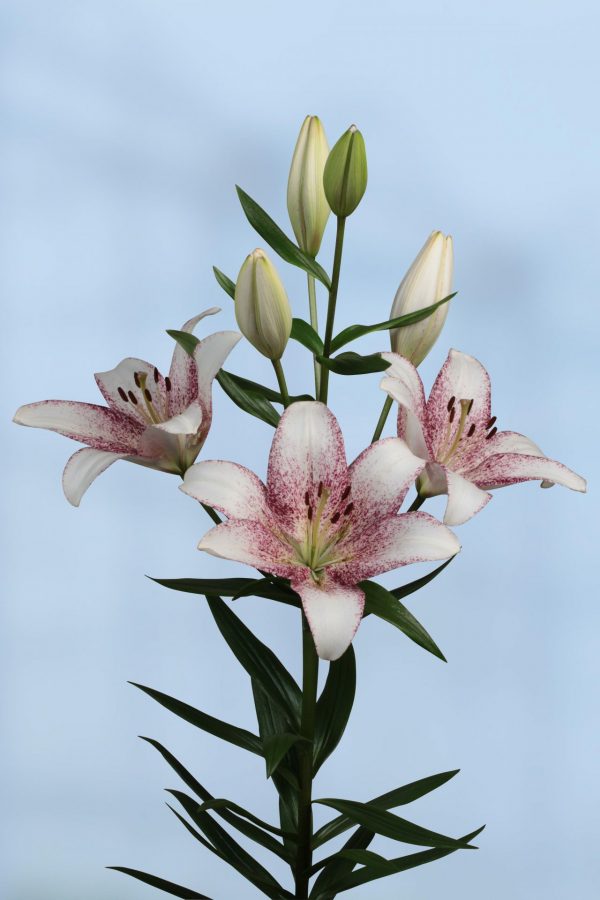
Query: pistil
<point>465,408</point>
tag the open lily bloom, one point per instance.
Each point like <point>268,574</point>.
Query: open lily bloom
<point>455,433</point>
<point>321,524</point>
<point>155,421</point>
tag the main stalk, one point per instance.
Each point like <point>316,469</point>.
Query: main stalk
<point>310,676</point>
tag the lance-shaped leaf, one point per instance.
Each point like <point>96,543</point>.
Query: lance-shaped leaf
<point>306,335</point>
<point>334,706</point>
<point>226,283</point>
<point>354,364</point>
<point>231,733</point>
<point>264,587</point>
<point>185,339</point>
<point>389,825</point>
<point>386,606</point>
<point>254,387</point>
<point>258,660</point>
<point>355,331</point>
<point>230,850</point>
<point>276,747</point>
<point>232,587</point>
<point>408,793</point>
<point>250,401</point>
<point>278,240</point>
<point>168,887</point>
<point>405,589</point>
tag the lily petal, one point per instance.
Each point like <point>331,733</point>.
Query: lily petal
<point>307,455</point>
<point>187,422</point>
<point>465,499</point>
<point>97,426</point>
<point>403,384</point>
<point>333,612</point>
<point>209,356</point>
<point>228,487</point>
<point>396,541</point>
<point>503,469</point>
<point>251,543</point>
<point>182,374</point>
<point>124,388</point>
<point>84,467</point>
<point>464,378</point>
<point>380,478</point>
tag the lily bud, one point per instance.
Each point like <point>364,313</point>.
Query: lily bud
<point>262,308</point>
<point>345,177</point>
<point>428,280</point>
<point>307,205</point>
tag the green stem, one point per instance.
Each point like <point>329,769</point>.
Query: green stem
<point>212,513</point>
<point>417,503</point>
<point>314,321</point>
<point>387,405</point>
<point>281,381</point>
<point>310,677</point>
<point>335,280</point>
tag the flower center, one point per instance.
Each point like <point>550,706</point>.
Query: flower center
<point>325,528</point>
<point>455,434</point>
<point>151,405</point>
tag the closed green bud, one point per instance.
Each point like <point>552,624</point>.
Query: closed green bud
<point>345,177</point>
<point>262,308</point>
<point>307,205</point>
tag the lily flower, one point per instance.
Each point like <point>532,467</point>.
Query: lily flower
<point>319,523</point>
<point>155,421</point>
<point>455,433</point>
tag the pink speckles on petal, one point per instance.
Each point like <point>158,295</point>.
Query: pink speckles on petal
<point>251,543</point>
<point>462,377</point>
<point>97,426</point>
<point>503,469</point>
<point>380,478</point>
<point>228,487</point>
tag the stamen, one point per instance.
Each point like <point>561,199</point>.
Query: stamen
<point>148,395</point>
<point>168,383</point>
<point>349,509</point>
<point>132,397</point>
<point>452,413</point>
<point>464,412</point>
<point>471,430</point>
<point>310,513</point>
<point>491,422</point>
<point>451,402</point>
<point>155,375</point>
<point>346,492</point>
<point>122,394</point>
<point>335,518</point>
<point>491,434</point>
<point>136,378</point>
<point>320,489</point>
<point>307,499</point>
<point>470,407</point>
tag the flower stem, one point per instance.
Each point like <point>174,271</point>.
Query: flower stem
<point>281,382</point>
<point>212,513</point>
<point>387,405</point>
<point>333,291</point>
<point>314,321</point>
<point>310,676</point>
<point>417,503</point>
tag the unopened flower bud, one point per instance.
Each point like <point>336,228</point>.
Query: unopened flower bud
<point>262,308</point>
<point>345,177</point>
<point>428,280</point>
<point>307,205</point>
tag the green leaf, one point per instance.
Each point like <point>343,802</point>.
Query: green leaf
<point>334,706</point>
<point>250,401</point>
<point>226,283</point>
<point>405,589</point>
<point>276,747</point>
<point>259,661</point>
<point>354,363</point>
<point>278,240</point>
<point>232,587</point>
<point>306,335</point>
<point>220,804</point>
<point>264,587</point>
<point>268,393</point>
<point>355,331</point>
<point>231,733</point>
<point>380,602</point>
<point>389,825</point>
<point>184,339</point>
<point>336,867</point>
<point>167,886</point>
<point>408,793</point>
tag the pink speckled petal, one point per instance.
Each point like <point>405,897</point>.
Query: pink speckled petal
<point>465,499</point>
<point>123,376</point>
<point>84,467</point>
<point>393,542</point>
<point>308,449</point>
<point>97,426</point>
<point>333,612</point>
<point>228,487</point>
<point>250,543</point>
<point>183,374</point>
<point>186,423</point>
<point>209,356</point>
<point>380,478</point>
<point>403,383</point>
<point>503,469</point>
<point>464,378</point>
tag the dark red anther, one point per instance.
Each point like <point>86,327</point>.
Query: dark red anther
<point>136,378</point>
<point>310,513</point>
<point>122,394</point>
<point>148,395</point>
<point>132,397</point>
<point>307,499</point>
<point>491,422</point>
<point>155,375</point>
<point>491,434</point>
<point>168,383</point>
<point>470,407</point>
<point>451,402</point>
<point>452,413</point>
<point>471,430</point>
<point>320,489</point>
<point>346,492</point>
<point>335,518</point>
<point>349,509</point>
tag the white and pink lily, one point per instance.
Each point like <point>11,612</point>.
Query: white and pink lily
<point>454,432</point>
<point>319,523</point>
<point>155,421</point>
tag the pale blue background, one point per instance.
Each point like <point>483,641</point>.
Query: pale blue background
<point>124,126</point>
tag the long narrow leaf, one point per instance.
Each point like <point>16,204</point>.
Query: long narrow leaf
<point>306,335</point>
<point>405,589</point>
<point>254,387</point>
<point>232,587</point>
<point>334,706</point>
<point>167,886</point>
<point>354,364</point>
<point>278,240</point>
<point>381,603</point>
<point>250,401</point>
<point>226,283</point>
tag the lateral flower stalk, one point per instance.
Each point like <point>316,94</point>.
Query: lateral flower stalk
<point>306,201</point>
<point>318,522</point>
<point>262,308</point>
<point>455,435</point>
<point>153,420</point>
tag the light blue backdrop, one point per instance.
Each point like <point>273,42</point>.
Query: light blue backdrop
<point>124,126</point>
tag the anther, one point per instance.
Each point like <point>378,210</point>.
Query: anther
<point>148,395</point>
<point>310,513</point>
<point>471,430</point>
<point>155,375</point>
<point>491,422</point>
<point>452,414</point>
<point>136,378</point>
<point>335,518</point>
<point>132,397</point>
<point>349,509</point>
<point>491,434</point>
<point>451,403</point>
<point>320,489</point>
<point>122,394</point>
<point>346,492</point>
<point>168,383</point>
<point>306,499</point>
<point>470,407</point>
